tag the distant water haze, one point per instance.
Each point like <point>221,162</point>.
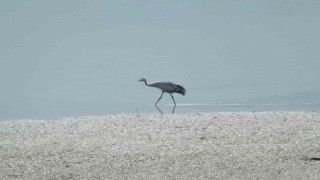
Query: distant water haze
<point>74,58</point>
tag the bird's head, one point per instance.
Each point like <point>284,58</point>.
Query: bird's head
<point>142,79</point>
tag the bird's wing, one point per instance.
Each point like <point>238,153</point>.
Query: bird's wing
<point>164,86</point>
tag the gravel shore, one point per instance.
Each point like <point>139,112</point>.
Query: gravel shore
<point>242,145</point>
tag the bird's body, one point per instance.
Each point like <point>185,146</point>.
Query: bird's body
<point>166,87</point>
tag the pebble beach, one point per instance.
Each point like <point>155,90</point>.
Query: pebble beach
<point>225,145</point>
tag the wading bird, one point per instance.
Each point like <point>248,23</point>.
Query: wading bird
<point>167,87</point>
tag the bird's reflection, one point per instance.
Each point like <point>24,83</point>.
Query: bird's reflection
<point>159,109</point>
<point>174,108</point>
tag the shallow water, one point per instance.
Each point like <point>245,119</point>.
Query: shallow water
<point>101,93</point>
<point>86,60</point>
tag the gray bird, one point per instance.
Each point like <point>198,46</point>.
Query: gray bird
<point>167,87</point>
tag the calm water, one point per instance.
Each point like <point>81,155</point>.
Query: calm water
<point>84,58</point>
<point>102,87</point>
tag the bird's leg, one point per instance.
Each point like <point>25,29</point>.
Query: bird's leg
<point>173,100</point>
<point>174,108</point>
<point>158,99</point>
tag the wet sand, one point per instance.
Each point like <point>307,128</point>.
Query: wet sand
<point>263,145</point>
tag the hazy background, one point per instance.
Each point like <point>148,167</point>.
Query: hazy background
<point>78,57</point>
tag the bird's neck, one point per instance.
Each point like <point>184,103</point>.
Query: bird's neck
<point>146,83</point>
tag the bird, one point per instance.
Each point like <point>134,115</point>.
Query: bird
<point>166,87</point>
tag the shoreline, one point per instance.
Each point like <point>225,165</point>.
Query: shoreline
<point>219,145</point>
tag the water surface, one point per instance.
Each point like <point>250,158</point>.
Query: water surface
<point>84,58</point>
